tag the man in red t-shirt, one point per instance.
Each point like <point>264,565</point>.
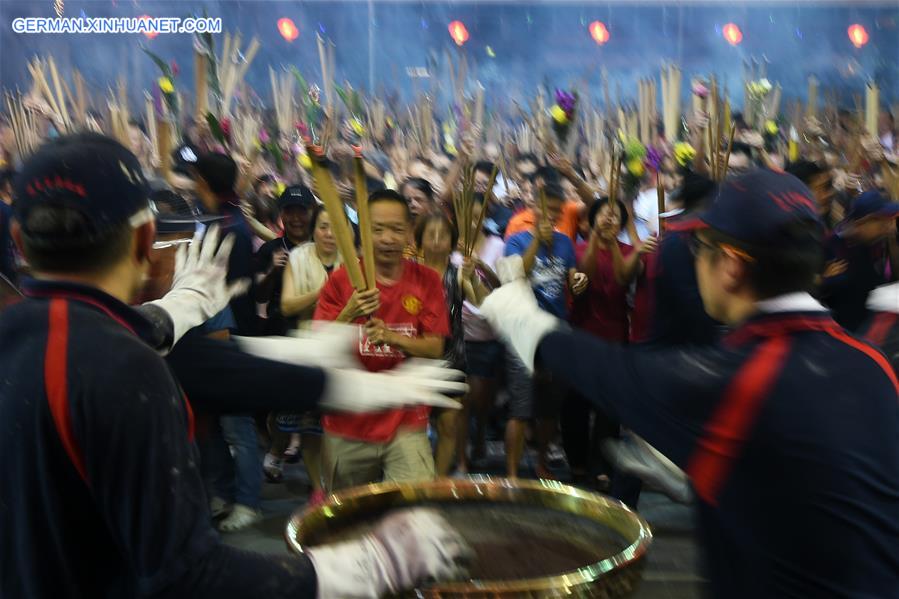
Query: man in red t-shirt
<point>405,316</point>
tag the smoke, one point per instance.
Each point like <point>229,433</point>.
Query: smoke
<point>531,44</point>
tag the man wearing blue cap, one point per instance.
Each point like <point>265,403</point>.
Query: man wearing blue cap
<point>102,495</point>
<point>786,429</point>
<point>861,254</point>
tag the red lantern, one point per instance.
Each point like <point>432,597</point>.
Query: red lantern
<point>732,34</point>
<point>150,34</point>
<point>287,29</point>
<point>458,32</point>
<point>858,35</point>
<point>599,33</point>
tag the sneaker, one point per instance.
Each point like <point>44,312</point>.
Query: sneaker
<point>273,468</point>
<point>634,456</point>
<point>240,518</point>
<point>218,507</point>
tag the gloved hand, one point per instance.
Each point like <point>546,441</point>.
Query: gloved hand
<point>348,390</point>
<point>326,345</point>
<point>407,548</point>
<point>513,312</point>
<point>885,298</point>
<point>199,287</point>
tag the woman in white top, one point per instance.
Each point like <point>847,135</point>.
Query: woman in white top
<point>308,267</point>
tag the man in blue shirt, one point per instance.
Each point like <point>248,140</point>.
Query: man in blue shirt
<point>551,266</point>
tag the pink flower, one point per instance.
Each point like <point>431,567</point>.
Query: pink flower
<point>263,136</point>
<point>700,90</point>
<point>175,69</point>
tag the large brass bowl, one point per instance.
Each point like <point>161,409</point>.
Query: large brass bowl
<point>613,576</point>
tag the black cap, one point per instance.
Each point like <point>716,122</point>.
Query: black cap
<point>88,172</point>
<point>296,195</point>
<point>765,209</point>
<point>174,214</point>
<point>218,170</point>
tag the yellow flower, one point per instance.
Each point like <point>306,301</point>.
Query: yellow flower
<point>166,85</point>
<point>304,161</point>
<point>684,153</point>
<point>558,115</point>
<point>636,168</point>
<point>279,188</point>
<point>357,127</point>
<point>771,127</point>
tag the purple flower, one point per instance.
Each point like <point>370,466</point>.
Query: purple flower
<point>263,136</point>
<point>654,158</point>
<point>566,102</point>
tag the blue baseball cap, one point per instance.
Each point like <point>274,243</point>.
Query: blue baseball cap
<point>88,172</point>
<point>764,209</point>
<point>872,203</point>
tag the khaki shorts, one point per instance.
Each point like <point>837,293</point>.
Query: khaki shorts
<point>349,463</point>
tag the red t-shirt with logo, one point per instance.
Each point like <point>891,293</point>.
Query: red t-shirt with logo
<point>413,306</point>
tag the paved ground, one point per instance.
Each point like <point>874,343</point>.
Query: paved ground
<point>672,570</point>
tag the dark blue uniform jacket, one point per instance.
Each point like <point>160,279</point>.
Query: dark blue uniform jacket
<point>101,495</point>
<point>789,432</point>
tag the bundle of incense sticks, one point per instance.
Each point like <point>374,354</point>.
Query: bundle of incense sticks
<point>646,110</point>
<point>368,251</point>
<point>463,205</point>
<point>327,192</point>
<point>671,94</point>
<point>27,138</point>
<point>282,98</point>
<point>200,86</point>
<point>812,100</point>
<point>246,134</point>
<point>150,115</point>
<point>717,165</point>
<point>56,103</point>
<point>233,67</point>
<point>614,179</point>
<point>326,63</point>
<point>872,107</point>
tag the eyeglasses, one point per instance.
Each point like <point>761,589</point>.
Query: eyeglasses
<point>696,244</point>
<point>168,243</point>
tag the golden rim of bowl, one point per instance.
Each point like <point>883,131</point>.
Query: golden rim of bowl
<point>550,494</point>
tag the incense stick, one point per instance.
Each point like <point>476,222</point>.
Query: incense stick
<point>362,209</point>
<point>324,187</point>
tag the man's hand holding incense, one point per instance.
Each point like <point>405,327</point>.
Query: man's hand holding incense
<point>361,303</point>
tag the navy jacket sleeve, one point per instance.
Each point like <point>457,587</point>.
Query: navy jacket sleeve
<point>218,377</point>
<point>665,396</point>
<point>144,475</point>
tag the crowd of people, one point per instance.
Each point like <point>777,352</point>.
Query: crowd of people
<point>623,268</point>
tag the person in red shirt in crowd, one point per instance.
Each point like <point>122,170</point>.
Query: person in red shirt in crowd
<point>405,315</point>
<point>603,311</point>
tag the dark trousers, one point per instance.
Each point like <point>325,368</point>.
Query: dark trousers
<point>584,428</point>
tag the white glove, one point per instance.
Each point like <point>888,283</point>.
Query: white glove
<point>885,299</point>
<point>199,287</point>
<point>513,312</point>
<point>407,548</point>
<point>348,390</point>
<point>326,345</point>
